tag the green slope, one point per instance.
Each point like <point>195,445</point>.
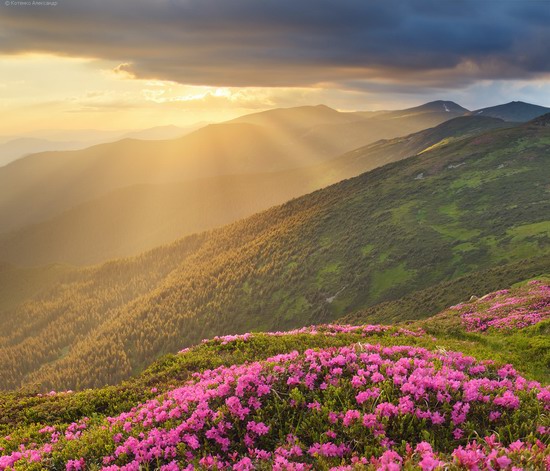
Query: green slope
<point>25,412</point>
<point>429,301</point>
<point>41,186</point>
<point>472,204</point>
<point>136,218</point>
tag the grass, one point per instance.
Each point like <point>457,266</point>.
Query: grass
<point>456,232</point>
<point>390,278</point>
<point>530,230</point>
<point>528,350</point>
<point>280,268</point>
<point>24,412</point>
<point>22,409</point>
<point>367,249</point>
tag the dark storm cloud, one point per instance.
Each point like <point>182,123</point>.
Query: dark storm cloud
<point>434,43</point>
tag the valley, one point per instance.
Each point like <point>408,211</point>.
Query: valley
<point>375,238</point>
<point>274,235</point>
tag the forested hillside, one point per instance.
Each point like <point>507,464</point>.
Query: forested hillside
<point>461,207</point>
<point>41,186</point>
<point>18,284</point>
<point>437,394</point>
<point>429,301</point>
<point>130,220</point>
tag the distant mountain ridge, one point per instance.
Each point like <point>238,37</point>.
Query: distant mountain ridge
<point>17,148</point>
<point>436,106</point>
<point>298,118</point>
<point>130,220</point>
<point>56,204</point>
<point>388,233</point>
<point>163,132</point>
<point>40,186</point>
<point>515,111</point>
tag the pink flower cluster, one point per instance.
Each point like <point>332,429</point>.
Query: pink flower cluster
<point>358,407</point>
<point>503,311</point>
<point>35,453</point>
<point>224,340</point>
<point>54,393</point>
<point>323,329</point>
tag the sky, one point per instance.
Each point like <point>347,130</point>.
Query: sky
<point>132,64</point>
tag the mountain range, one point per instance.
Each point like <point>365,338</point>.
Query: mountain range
<point>515,111</point>
<point>132,219</point>
<point>161,190</point>
<point>437,216</point>
<point>47,183</point>
<point>15,147</point>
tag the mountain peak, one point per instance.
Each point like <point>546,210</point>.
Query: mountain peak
<point>514,111</point>
<point>296,116</point>
<point>518,104</point>
<point>439,106</point>
<point>322,106</point>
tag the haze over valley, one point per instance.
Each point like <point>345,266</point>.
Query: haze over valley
<point>274,235</point>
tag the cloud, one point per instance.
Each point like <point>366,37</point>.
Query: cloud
<point>124,70</point>
<point>355,44</point>
<point>231,98</point>
<point>100,100</point>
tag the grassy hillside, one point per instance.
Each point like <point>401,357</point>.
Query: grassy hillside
<point>133,219</point>
<point>41,186</point>
<point>513,322</point>
<point>330,387</point>
<point>429,301</point>
<point>377,237</point>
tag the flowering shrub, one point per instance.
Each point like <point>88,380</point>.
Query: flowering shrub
<point>358,407</point>
<point>323,329</point>
<point>506,310</point>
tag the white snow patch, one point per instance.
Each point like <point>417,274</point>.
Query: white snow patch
<point>332,298</point>
<point>420,176</point>
<point>456,165</point>
<point>446,109</point>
